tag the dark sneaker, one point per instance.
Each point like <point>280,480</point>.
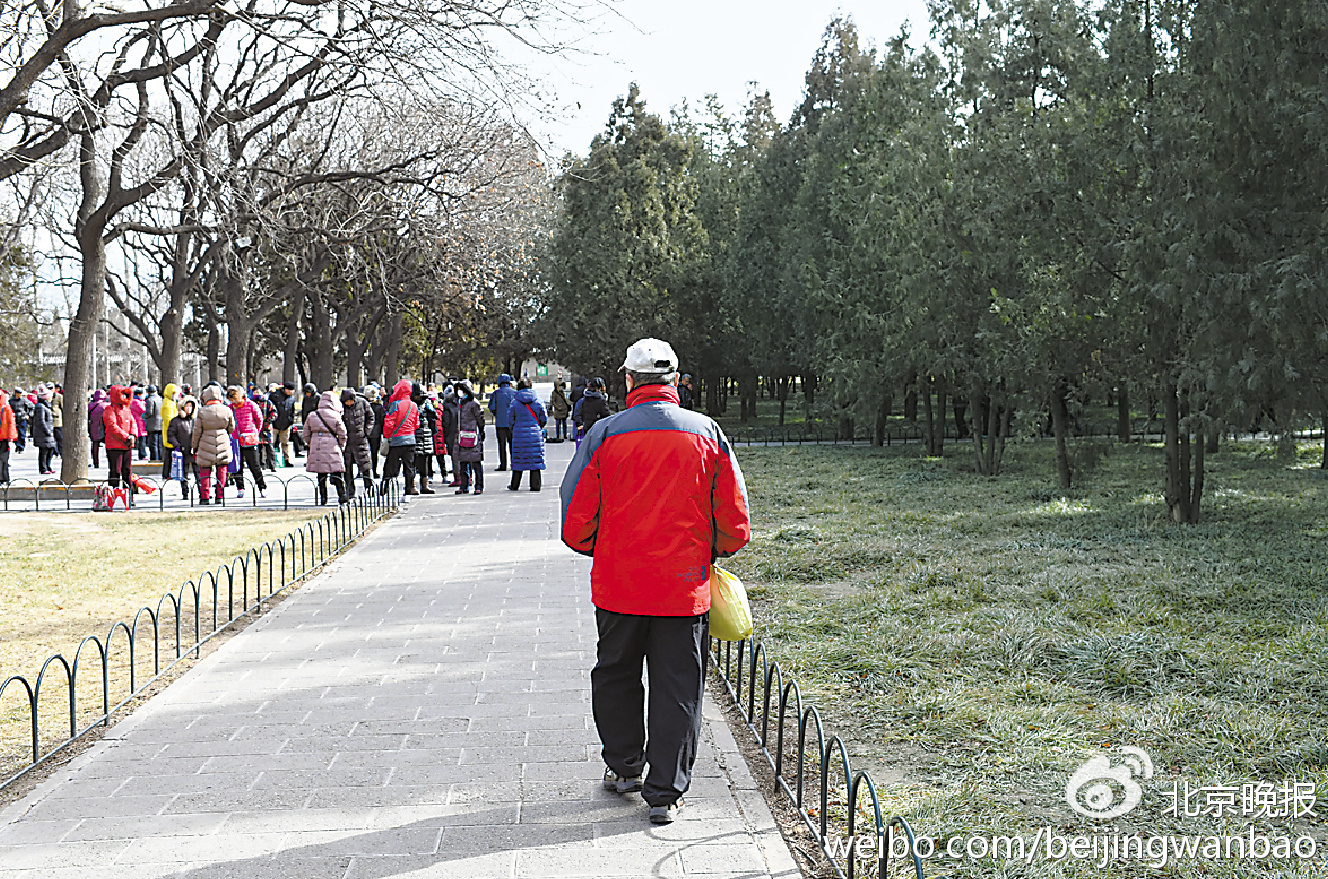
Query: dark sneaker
<point>621,783</point>
<point>665,814</point>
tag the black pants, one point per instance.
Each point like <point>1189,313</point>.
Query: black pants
<point>4,462</point>
<point>504,445</point>
<point>424,467</point>
<point>673,649</point>
<point>59,441</point>
<point>348,461</point>
<point>188,469</point>
<point>249,457</point>
<point>44,458</point>
<point>536,479</point>
<point>337,481</point>
<point>96,453</point>
<point>465,469</point>
<point>373,455</point>
<point>118,460</point>
<point>154,445</point>
<point>400,458</point>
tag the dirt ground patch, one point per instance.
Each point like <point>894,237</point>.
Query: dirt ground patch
<point>70,576</point>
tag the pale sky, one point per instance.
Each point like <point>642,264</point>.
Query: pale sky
<point>684,49</point>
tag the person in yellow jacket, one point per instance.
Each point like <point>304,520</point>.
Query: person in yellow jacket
<point>169,409</point>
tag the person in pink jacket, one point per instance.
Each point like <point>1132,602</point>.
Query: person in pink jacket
<point>248,425</point>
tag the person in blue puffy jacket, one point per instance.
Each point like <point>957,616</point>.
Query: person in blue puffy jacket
<point>528,418</point>
<point>500,404</point>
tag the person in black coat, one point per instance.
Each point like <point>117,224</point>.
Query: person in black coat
<point>358,418</point>
<point>22,415</point>
<point>594,405</point>
<point>444,440</point>
<point>43,433</point>
<point>424,434</point>
<point>376,438</point>
<point>284,400</point>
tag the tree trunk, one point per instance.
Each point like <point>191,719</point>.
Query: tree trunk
<point>354,357</point>
<point>961,424</point>
<point>392,357</point>
<point>711,392</point>
<point>935,433</point>
<point>82,330</point>
<point>1323,422</point>
<point>882,420</point>
<point>911,399</point>
<point>319,342</point>
<point>1181,493</point>
<point>782,386</point>
<point>238,326</point>
<point>978,414</point>
<point>1123,412</point>
<point>374,339</point>
<point>214,351</point>
<point>747,390</point>
<point>1213,435</point>
<point>290,357</point>
<point>926,406</point>
<point>941,401</point>
<point>809,382</point>
<point>1060,422</point>
<point>172,342</point>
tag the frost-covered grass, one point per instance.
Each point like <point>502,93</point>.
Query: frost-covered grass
<point>977,639</point>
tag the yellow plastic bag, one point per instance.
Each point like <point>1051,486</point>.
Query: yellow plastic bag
<point>730,614</point>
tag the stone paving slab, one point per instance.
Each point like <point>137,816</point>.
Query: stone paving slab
<point>421,709</point>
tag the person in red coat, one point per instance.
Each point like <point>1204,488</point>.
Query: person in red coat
<point>8,434</point>
<point>121,436</point>
<point>654,494</point>
<point>401,418</point>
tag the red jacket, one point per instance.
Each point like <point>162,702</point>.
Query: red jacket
<point>401,417</point>
<point>8,426</point>
<point>121,428</point>
<point>655,495</point>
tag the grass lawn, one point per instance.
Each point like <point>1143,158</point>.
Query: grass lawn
<point>67,576</point>
<point>976,640</point>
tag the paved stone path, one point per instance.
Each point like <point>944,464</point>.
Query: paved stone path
<point>420,710</point>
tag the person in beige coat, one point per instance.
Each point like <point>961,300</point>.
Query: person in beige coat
<point>325,434</point>
<point>213,427</point>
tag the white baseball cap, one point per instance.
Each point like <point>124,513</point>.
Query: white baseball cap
<point>651,357</point>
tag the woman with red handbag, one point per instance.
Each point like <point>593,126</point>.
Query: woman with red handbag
<point>470,439</point>
<point>248,424</point>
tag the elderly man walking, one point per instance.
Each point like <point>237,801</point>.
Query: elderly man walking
<point>655,495</point>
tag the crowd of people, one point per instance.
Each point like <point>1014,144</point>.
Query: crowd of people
<point>430,436</point>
